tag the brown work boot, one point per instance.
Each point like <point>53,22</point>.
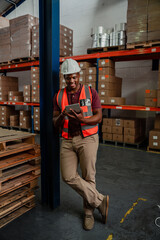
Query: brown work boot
<point>103,208</point>
<point>88,222</point>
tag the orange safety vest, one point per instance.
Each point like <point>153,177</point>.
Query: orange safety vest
<point>86,98</point>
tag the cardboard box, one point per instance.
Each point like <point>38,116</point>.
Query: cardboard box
<point>154,139</point>
<point>118,122</point>
<point>132,131</point>
<point>84,65</point>
<point>36,87</point>
<point>107,121</point>
<point>109,85</point>
<point>14,93</point>
<point>157,122</point>
<point>82,80</point>
<point>110,93</point>
<point>82,73</point>
<point>36,110</point>
<point>118,137</point>
<point>3,98</point>
<point>107,71</point>
<point>117,130</point>
<point>35,82</point>
<point>18,98</point>
<point>132,123</point>
<point>150,93</point>
<point>107,136</point>
<point>37,127</point>
<point>106,129</point>
<point>104,78</point>
<point>91,78</point>
<point>4,22</point>
<point>27,99</point>
<point>112,100</point>
<point>150,102</point>
<point>34,70</point>
<point>27,93</point>
<point>91,71</point>
<point>36,99</point>
<point>14,117</point>
<point>158,98</point>
<point>27,88</point>
<point>131,139</point>
<point>24,113</point>
<point>106,63</point>
<point>14,123</point>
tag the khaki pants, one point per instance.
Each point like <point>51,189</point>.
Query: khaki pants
<point>83,151</point>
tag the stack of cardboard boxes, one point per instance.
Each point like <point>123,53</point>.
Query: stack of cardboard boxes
<point>151,98</point>
<point>14,120</point>
<point>109,86</point>
<point>37,118</point>
<point>5,113</point>
<point>134,130</point>
<point>84,66</point>
<point>123,130</point>
<point>143,21</point>
<point>25,119</point>
<point>27,93</point>
<point>154,135</point>
<point>35,41</point>
<point>4,40</point>
<point>66,41</point>
<point>158,91</point>
<point>137,21</point>
<point>7,84</point>
<point>91,75</point>
<point>153,20</point>
<point>35,84</point>
<point>20,29</point>
<point>15,96</point>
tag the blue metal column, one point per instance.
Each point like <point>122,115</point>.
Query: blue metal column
<point>49,78</point>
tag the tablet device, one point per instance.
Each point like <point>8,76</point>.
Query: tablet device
<point>75,107</point>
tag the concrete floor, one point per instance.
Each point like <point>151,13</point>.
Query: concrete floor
<point>126,175</point>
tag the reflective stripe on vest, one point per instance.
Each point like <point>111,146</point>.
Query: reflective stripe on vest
<point>85,94</point>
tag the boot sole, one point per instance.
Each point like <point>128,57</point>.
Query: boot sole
<point>107,206</point>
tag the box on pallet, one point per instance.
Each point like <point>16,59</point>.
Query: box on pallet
<point>106,129</point>
<point>107,121</point>
<point>150,102</point>
<point>106,71</point>
<point>107,136</point>
<point>118,137</point>
<point>84,65</point>
<point>106,63</point>
<point>112,100</point>
<point>154,139</point>
<point>118,122</point>
<point>157,122</point>
<point>150,93</point>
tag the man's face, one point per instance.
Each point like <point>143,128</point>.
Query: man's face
<point>72,81</point>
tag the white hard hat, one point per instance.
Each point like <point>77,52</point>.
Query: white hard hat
<point>70,66</point>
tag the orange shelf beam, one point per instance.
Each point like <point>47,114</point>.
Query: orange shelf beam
<point>16,66</point>
<point>20,103</point>
<point>130,107</point>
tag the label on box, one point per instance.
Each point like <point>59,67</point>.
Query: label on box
<point>103,62</point>
<point>155,137</point>
<point>90,77</point>
<point>112,101</point>
<point>155,144</point>
<point>102,85</point>
<point>102,93</point>
<point>102,101</point>
<point>118,122</point>
<point>90,70</point>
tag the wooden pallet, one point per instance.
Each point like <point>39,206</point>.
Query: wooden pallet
<point>106,49</point>
<point>21,60</point>
<point>12,142</point>
<point>29,180</point>
<point>17,207</point>
<point>143,44</point>
<point>152,150</point>
<point>18,159</point>
<point>124,144</point>
<point>10,175</point>
<point>5,63</point>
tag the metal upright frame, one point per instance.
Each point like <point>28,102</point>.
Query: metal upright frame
<point>49,77</point>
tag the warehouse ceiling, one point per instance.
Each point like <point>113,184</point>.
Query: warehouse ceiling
<point>5,5</point>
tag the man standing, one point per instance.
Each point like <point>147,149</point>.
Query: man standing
<point>80,140</point>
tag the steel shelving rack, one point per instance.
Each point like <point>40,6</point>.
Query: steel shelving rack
<point>122,55</point>
<point>14,67</point>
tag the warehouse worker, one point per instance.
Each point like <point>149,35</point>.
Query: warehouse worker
<point>80,140</point>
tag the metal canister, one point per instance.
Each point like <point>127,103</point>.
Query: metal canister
<point>120,27</point>
<point>94,40</point>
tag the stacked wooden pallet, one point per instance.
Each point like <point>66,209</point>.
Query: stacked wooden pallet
<point>19,172</point>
